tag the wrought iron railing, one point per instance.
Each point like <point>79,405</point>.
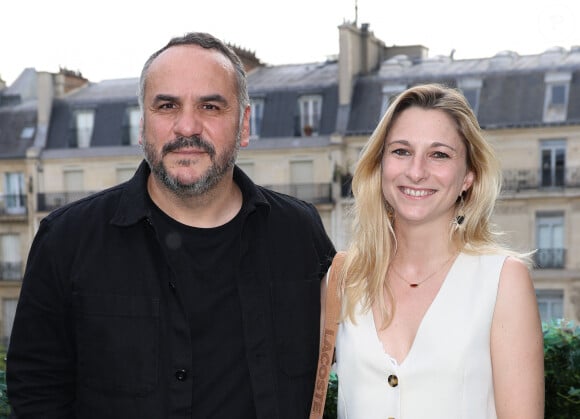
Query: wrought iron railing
<point>51,201</point>
<point>10,271</point>
<point>316,193</point>
<point>515,180</point>
<point>553,258</point>
<point>13,205</point>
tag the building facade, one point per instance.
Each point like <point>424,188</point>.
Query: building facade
<point>63,137</point>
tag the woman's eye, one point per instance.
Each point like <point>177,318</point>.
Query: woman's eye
<point>400,152</point>
<point>440,155</point>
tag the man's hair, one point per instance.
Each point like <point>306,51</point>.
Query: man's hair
<point>206,41</point>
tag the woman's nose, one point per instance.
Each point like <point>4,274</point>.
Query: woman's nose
<point>417,169</point>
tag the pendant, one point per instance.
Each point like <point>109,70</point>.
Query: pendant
<point>413,285</point>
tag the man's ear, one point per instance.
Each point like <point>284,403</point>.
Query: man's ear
<point>141,131</point>
<point>245,128</point>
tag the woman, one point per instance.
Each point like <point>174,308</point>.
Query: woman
<point>439,319</point>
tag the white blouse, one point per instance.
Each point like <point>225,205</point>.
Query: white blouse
<point>447,373</point>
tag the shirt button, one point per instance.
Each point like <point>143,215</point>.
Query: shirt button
<point>181,375</point>
<point>393,380</point>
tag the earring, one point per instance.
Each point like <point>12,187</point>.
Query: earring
<point>390,210</point>
<point>460,218</point>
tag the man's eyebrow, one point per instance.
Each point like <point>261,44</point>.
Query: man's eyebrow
<point>214,98</point>
<point>164,98</point>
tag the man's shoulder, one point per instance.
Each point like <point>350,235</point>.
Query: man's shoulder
<point>96,204</point>
<point>284,202</point>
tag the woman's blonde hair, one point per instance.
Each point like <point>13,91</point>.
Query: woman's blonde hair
<point>373,242</point>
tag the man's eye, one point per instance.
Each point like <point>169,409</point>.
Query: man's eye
<point>167,106</point>
<point>210,106</point>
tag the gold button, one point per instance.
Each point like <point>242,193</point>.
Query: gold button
<point>393,380</point>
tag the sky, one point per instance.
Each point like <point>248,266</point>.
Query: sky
<point>110,39</point>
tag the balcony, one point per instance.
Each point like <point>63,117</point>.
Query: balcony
<point>10,271</point>
<point>315,193</point>
<point>13,205</point>
<point>517,180</point>
<point>550,258</point>
<point>47,202</point>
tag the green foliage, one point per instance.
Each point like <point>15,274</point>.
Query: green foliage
<point>562,369</point>
<point>4,406</point>
<point>331,397</point>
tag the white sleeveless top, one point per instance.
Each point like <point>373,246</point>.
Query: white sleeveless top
<point>447,373</point>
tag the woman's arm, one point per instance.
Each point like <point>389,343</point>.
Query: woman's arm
<point>517,351</point>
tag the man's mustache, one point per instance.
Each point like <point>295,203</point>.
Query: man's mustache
<point>184,142</point>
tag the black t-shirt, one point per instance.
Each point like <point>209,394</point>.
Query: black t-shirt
<point>205,261</point>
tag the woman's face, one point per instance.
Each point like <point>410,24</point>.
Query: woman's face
<point>424,166</point>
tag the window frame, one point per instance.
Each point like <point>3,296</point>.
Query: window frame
<point>556,111</point>
<point>256,116</point>
<point>310,110</point>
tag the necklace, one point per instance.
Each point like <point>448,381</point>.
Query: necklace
<point>415,284</point>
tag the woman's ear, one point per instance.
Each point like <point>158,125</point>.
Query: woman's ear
<point>468,181</point>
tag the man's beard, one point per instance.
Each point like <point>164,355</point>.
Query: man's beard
<point>219,167</point>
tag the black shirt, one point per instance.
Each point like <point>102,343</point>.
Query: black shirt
<point>102,329</point>
<point>204,260</point>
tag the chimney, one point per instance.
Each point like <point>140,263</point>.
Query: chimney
<point>248,58</point>
<point>67,81</point>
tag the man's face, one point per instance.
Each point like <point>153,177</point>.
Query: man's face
<point>191,128</point>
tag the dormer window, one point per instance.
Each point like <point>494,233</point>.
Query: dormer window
<point>471,89</point>
<point>27,133</point>
<point>256,114</point>
<point>131,126</point>
<point>556,96</point>
<point>390,92</point>
<point>84,124</point>
<point>310,109</point>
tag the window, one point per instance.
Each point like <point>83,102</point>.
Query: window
<point>302,180</point>
<point>471,89</point>
<point>553,162</point>
<point>247,168</point>
<point>131,126</point>
<point>550,304</point>
<point>556,96</point>
<point>256,114</point>
<point>390,92</point>
<point>10,257</point>
<point>84,122</point>
<point>27,133</point>
<point>73,180</point>
<point>8,312</point>
<point>301,172</point>
<point>550,241</point>
<point>310,109</point>
<point>15,198</point>
<point>125,173</point>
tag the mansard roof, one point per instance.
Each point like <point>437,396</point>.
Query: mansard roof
<point>512,94</point>
<point>512,86</point>
<point>18,116</point>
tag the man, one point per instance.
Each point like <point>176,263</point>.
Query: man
<point>187,292</point>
